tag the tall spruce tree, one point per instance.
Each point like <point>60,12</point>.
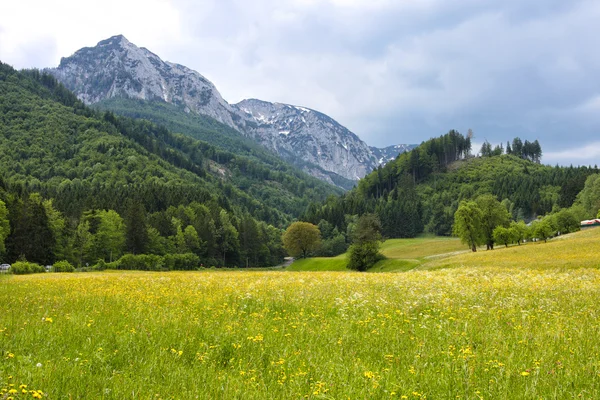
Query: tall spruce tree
<point>136,237</point>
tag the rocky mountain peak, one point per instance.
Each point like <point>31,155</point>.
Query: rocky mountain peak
<point>115,67</point>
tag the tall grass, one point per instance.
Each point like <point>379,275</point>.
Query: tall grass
<point>469,333</point>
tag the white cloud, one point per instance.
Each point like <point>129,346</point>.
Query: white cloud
<point>590,153</point>
<point>59,28</point>
<point>391,70</point>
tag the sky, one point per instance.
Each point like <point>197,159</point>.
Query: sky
<point>392,71</point>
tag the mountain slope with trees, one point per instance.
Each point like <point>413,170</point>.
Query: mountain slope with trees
<point>90,187</point>
<point>219,135</point>
<point>51,143</point>
<point>422,189</point>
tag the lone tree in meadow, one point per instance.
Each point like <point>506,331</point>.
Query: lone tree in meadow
<point>364,252</point>
<point>467,224</point>
<point>301,238</point>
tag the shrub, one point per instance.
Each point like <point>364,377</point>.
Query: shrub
<point>24,267</point>
<point>182,262</point>
<point>100,265</point>
<point>363,256</point>
<point>143,262</point>
<point>114,265</point>
<point>63,266</point>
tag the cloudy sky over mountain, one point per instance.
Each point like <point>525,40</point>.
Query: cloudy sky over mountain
<point>392,71</point>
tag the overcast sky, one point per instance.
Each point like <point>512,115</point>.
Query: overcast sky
<point>392,71</point>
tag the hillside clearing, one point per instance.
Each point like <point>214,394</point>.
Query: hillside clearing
<point>401,254</point>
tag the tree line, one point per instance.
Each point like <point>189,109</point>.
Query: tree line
<point>487,221</point>
<point>531,151</point>
<point>421,190</point>
<point>83,159</point>
<point>32,229</point>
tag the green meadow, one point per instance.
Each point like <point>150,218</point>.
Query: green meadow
<point>514,323</point>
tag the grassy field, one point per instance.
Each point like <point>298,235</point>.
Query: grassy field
<point>517,323</point>
<point>576,250</point>
<point>402,255</point>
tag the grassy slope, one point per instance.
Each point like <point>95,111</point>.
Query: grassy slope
<point>577,250</point>
<point>402,255</point>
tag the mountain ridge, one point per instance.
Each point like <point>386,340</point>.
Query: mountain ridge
<point>115,67</point>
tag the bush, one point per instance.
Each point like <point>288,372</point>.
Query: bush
<point>142,262</point>
<point>114,265</point>
<point>63,266</point>
<point>24,267</point>
<point>182,262</point>
<point>363,256</point>
<point>100,265</point>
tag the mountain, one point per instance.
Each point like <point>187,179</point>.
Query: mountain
<point>209,130</point>
<point>116,68</point>
<point>311,135</point>
<point>387,154</point>
<point>51,143</point>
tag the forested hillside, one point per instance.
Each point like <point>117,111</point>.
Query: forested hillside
<point>53,144</point>
<point>63,165</point>
<point>421,190</point>
<point>211,131</point>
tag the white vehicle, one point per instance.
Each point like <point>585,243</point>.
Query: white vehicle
<point>4,267</point>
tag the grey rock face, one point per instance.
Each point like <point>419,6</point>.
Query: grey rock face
<point>117,68</point>
<point>310,135</point>
<point>387,154</point>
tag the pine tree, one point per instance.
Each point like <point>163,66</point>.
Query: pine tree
<point>136,233</point>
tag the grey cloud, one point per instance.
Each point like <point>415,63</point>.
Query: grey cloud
<point>403,71</point>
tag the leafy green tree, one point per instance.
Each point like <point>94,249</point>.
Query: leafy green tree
<point>362,256</point>
<point>503,235</point>
<point>178,239</point>
<point>250,241</point>
<point>493,214</point>
<point>486,149</point>
<point>83,242</point>
<point>333,246</point>
<point>468,224</point>
<point>301,238</point>
<point>542,229</point>
<point>156,243</point>
<point>364,251</point>
<point>519,231</point>
<point>57,225</point>
<point>192,241</point>
<point>589,197</point>
<point>31,236</point>
<point>110,236</point>
<point>368,229</point>
<point>565,221</point>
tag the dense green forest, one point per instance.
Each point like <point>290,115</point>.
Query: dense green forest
<point>209,130</point>
<point>421,190</point>
<point>51,143</point>
<point>63,165</point>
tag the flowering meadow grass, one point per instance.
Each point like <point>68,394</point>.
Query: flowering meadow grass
<point>470,332</point>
